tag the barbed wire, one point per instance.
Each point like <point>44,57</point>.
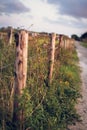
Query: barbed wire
<point>37,106</point>
<point>31,57</point>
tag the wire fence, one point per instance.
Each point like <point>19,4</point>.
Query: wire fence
<point>37,73</point>
<point>5,69</point>
<point>35,78</point>
<point>31,57</point>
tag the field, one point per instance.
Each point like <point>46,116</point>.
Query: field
<point>46,105</point>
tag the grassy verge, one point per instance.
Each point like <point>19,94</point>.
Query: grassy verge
<point>67,87</point>
<point>84,44</point>
<point>45,107</point>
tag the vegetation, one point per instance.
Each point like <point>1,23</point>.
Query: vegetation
<point>74,36</point>
<point>84,35</point>
<point>84,44</point>
<point>82,38</point>
<point>46,107</point>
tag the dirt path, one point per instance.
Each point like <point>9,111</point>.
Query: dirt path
<point>82,105</point>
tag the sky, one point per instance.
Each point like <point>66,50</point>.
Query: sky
<point>60,16</point>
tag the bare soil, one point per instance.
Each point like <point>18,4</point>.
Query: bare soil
<point>82,103</point>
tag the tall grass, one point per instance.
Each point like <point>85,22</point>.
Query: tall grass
<point>46,107</point>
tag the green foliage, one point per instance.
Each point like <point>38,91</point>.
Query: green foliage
<point>7,55</point>
<point>84,35</point>
<point>74,36</point>
<point>45,107</point>
<point>84,44</point>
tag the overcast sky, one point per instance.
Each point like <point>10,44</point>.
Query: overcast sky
<point>59,16</point>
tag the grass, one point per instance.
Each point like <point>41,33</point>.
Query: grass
<point>55,109</point>
<point>84,44</point>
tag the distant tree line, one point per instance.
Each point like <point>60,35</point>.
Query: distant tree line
<point>83,37</point>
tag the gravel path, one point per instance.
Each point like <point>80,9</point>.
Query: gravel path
<point>82,104</point>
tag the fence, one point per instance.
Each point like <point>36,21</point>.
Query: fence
<point>41,59</point>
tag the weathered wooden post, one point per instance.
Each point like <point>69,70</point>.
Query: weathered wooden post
<point>20,73</point>
<point>72,44</point>
<point>61,41</point>
<point>68,44</point>
<point>0,35</point>
<point>10,35</point>
<point>51,64</point>
<point>65,45</point>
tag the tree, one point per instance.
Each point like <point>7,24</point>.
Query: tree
<point>84,37</point>
<point>74,36</point>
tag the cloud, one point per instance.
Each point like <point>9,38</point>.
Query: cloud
<point>12,7</point>
<point>75,8</point>
<point>74,23</point>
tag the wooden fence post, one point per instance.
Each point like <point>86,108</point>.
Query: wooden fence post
<point>51,64</point>
<point>10,36</point>
<point>20,73</point>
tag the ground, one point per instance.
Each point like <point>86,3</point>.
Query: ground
<point>82,103</point>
